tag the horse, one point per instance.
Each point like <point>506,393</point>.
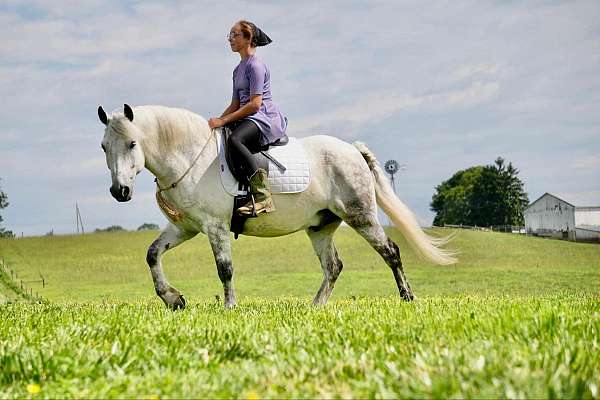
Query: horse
<point>179,148</point>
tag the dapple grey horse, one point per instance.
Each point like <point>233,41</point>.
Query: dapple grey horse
<point>180,149</point>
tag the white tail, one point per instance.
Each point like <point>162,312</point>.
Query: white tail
<point>426,246</point>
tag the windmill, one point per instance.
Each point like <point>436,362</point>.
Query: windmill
<point>392,167</point>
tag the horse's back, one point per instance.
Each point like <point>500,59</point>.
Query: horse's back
<point>330,155</point>
<point>334,166</point>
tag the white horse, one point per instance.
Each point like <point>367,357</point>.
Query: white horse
<point>347,184</point>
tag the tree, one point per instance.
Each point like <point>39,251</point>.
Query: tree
<point>481,196</point>
<point>451,200</point>
<point>112,228</point>
<point>498,196</point>
<point>3,204</point>
<point>148,227</point>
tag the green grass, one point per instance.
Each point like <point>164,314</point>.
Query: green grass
<point>371,347</point>
<point>517,317</point>
<point>100,267</point>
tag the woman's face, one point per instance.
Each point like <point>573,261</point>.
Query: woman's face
<point>236,38</point>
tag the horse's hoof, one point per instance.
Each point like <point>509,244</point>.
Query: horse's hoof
<point>179,303</point>
<point>407,295</point>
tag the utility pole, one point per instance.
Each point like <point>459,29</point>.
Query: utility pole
<point>79,221</point>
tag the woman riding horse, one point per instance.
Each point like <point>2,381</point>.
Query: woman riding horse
<point>255,121</point>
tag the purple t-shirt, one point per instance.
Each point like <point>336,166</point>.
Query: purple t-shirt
<point>251,77</point>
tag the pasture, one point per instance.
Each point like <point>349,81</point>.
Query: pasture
<point>517,317</point>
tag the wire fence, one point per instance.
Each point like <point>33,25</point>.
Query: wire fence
<point>18,285</point>
<point>492,228</point>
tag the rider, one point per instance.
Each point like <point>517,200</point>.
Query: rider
<point>252,116</point>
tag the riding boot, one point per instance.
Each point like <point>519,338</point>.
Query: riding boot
<point>261,195</point>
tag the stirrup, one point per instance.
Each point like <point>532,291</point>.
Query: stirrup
<point>254,214</point>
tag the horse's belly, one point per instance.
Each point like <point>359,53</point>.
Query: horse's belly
<point>291,215</point>
<point>271,225</point>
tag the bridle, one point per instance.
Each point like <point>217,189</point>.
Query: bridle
<point>171,211</point>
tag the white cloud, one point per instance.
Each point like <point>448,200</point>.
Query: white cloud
<point>477,70</point>
<point>384,104</point>
<point>587,162</point>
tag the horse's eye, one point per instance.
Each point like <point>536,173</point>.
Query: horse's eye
<point>103,148</point>
<point>131,145</point>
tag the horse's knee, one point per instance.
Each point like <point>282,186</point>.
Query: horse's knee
<point>152,255</point>
<point>225,270</point>
<point>393,253</point>
<point>337,265</point>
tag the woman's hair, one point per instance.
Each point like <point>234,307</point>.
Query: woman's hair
<point>247,29</point>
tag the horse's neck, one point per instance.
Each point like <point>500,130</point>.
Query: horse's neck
<point>173,142</point>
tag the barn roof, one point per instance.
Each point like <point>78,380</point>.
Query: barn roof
<point>580,199</point>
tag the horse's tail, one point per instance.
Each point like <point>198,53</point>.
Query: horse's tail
<point>426,246</point>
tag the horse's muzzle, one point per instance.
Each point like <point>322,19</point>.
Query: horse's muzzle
<point>121,193</point>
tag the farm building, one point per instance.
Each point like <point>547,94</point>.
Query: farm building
<point>566,216</point>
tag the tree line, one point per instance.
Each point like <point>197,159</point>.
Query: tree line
<point>481,196</point>
<point>117,228</point>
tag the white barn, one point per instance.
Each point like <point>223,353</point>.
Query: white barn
<point>566,216</point>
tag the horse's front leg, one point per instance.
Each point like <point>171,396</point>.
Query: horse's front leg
<point>220,242</point>
<point>171,237</point>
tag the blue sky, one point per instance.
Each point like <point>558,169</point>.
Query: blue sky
<point>439,86</point>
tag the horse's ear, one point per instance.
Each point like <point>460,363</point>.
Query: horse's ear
<point>128,112</point>
<point>102,115</point>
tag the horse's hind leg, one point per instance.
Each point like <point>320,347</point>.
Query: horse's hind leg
<point>364,221</point>
<point>168,239</point>
<point>322,240</point>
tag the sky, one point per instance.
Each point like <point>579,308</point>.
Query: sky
<point>439,86</point>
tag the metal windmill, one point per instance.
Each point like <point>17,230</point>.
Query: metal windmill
<point>392,167</point>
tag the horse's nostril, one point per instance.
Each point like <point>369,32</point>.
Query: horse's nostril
<point>125,191</point>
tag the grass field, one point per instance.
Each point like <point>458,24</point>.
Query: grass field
<point>517,317</point>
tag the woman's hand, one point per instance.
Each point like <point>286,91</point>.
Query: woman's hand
<point>215,123</point>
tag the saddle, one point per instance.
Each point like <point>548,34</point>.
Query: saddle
<point>237,173</point>
<point>261,156</point>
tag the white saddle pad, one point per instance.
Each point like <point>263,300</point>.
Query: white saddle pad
<point>293,156</point>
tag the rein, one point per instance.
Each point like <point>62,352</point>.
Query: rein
<point>174,214</point>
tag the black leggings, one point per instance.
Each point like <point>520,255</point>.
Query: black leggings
<point>245,140</point>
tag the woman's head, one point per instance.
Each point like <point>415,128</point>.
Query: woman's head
<point>241,35</point>
<point>245,34</point>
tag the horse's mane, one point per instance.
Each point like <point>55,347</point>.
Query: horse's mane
<point>175,127</point>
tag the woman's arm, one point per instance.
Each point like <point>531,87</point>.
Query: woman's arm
<point>250,108</point>
<point>234,106</point>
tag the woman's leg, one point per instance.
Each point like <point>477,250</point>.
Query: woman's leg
<point>244,139</point>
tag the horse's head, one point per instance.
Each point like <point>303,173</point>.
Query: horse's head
<point>124,155</point>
